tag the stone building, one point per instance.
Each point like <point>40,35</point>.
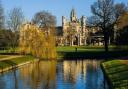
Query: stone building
<point>76,32</point>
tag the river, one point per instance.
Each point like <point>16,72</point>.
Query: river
<point>69,74</point>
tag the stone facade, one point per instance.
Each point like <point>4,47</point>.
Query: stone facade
<point>74,30</point>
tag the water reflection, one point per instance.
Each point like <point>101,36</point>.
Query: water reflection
<point>79,74</point>
<point>40,75</point>
<point>84,74</point>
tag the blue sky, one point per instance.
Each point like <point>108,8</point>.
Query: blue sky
<point>56,7</point>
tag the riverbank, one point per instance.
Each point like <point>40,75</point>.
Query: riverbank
<point>116,73</point>
<point>91,52</point>
<point>84,52</point>
<point>14,62</point>
<point>92,55</point>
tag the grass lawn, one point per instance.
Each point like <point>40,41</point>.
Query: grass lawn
<point>117,73</point>
<point>79,48</point>
<point>89,48</point>
<point>15,61</point>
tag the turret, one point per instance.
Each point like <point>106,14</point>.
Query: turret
<point>73,16</point>
<point>63,20</point>
<point>83,21</point>
<point>83,25</point>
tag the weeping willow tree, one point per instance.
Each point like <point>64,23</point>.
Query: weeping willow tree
<point>49,43</point>
<point>38,42</point>
<point>38,38</point>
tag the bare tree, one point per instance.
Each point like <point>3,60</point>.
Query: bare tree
<point>1,16</point>
<point>105,16</point>
<point>44,19</point>
<point>15,19</point>
<point>103,12</point>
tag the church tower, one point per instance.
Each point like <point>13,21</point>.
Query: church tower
<point>73,16</point>
<point>74,31</point>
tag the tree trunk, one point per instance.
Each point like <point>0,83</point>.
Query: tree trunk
<point>106,40</point>
<point>106,45</point>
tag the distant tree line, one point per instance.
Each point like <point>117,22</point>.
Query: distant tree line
<point>122,30</point>
<point>10,26</point>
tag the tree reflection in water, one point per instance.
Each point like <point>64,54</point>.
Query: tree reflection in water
<point>73,74</point>
<point>42,75</point>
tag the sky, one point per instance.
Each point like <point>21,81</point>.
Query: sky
<point>58,8</point>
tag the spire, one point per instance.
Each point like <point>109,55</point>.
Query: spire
<point>73,12</point>
<point>73,15</point>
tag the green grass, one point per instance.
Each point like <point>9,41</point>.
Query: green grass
<point>89,48</point>
<point>79,48</point>
<point>15,61</point>
<point>117,73</point>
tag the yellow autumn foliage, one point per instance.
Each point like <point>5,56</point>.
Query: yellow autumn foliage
<point>38,42</point>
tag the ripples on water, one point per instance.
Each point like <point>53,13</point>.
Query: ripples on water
<point>73,74</point>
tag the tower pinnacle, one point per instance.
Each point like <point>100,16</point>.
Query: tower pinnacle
<point>73,16</point>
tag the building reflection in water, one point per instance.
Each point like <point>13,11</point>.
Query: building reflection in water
<point>81,74</point>
<point>72,74</point>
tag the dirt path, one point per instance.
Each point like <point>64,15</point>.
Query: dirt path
<point>10,57</point>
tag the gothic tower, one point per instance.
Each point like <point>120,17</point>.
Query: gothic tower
<point>74,31</point>
<point>73,16</point>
